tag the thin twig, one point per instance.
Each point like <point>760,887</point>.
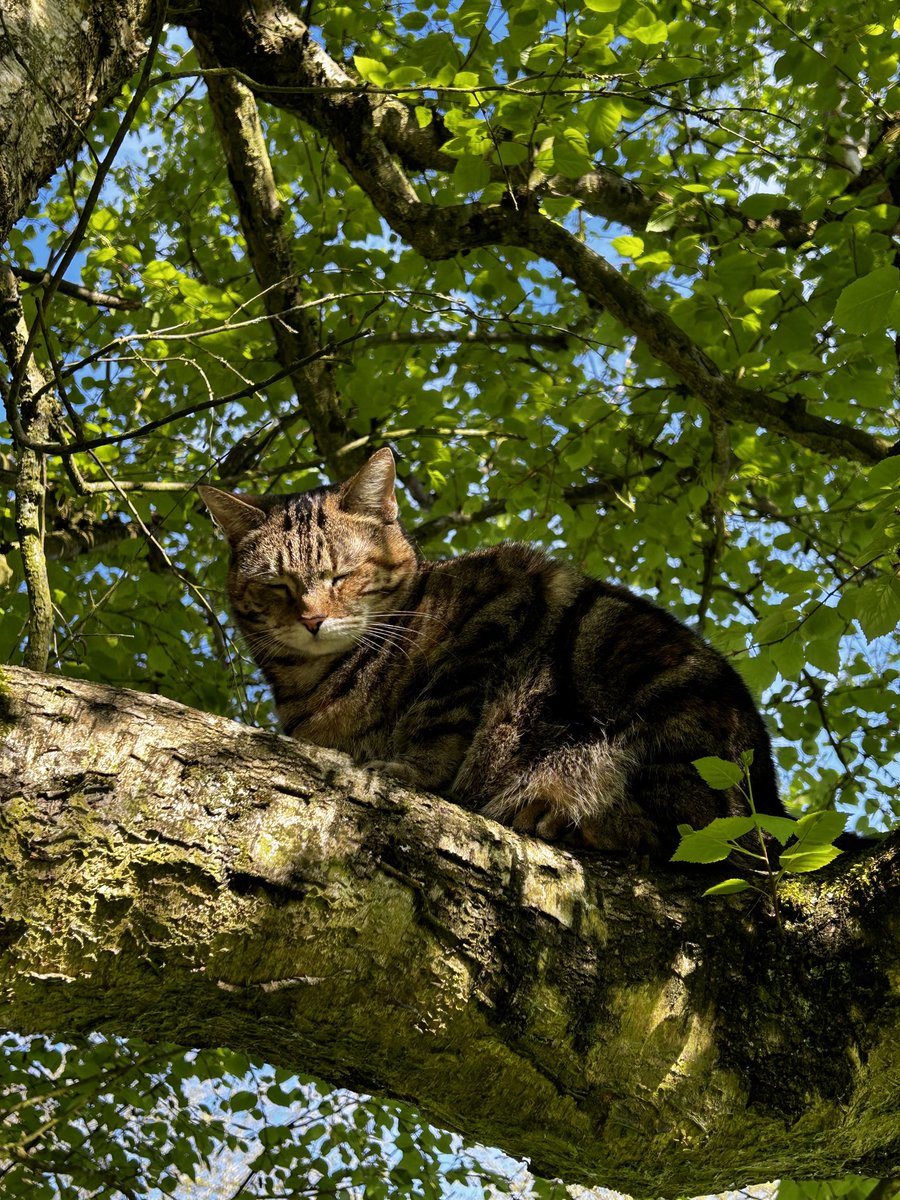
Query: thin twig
<point>77,291</point>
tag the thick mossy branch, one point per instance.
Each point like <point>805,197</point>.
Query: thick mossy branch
<point>179,877</point>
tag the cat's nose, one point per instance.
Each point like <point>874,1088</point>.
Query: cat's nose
<point>314,623</point>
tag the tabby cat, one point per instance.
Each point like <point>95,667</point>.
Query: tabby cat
<point>555,703</point>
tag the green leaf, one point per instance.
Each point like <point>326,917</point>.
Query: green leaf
<point>373,70</point>
<point>885,540</point>
<point>628,246</point>
<point>885,474</point>
<point>414,21</point>
<point>570,154</point>
<point>728,829</point>
<point>757,298</point>
<point>104,220</point>
<point>471,174</point>
<point>781,828</point>
<point>511,154</point>
<point>864,305</point>
<point>803,861</point>
<point>819,828</point>
<point>822,632</point>
<point>728,887</point>
<point>718,772</point>
<point>877,606</point>
<point>662,218</point>
<point>602,118</point>
<point>699,847</point>
<point>777,625</point>
<point>645,28</point>
<point>760,205</point>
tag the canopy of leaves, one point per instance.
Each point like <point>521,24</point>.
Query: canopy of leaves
<point>662,338</point>
<point>112,1118</point>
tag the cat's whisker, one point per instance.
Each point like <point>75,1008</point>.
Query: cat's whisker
<point>378,643</point>
<point>422,616</point>
<point>382,636</point>
<point>387,640</point>
<point>403,635</point>
<point>376,647</point>
<point>263,647</point>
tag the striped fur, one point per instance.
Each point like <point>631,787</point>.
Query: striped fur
<point>555,703</point>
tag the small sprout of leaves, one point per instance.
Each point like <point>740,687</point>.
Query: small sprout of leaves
<point>808,843</point>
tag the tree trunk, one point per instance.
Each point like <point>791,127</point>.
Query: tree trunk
<point>60,62</point>
<point>179,877</point>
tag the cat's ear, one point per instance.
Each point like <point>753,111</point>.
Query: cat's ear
<point>236,516</point>
<point>371,490</point>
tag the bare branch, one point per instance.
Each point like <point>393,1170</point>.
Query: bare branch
<point>487,337</point>
<point>77,291</point>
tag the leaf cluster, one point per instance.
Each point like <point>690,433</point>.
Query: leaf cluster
<point>117,1118</point>
<point>807,844</point>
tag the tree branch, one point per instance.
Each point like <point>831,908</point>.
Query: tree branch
<point>33,412</point>
<point>602,192</point>
<point>77,291</point>
<point>234,887</point>
<point>261,215</point>
<point>80,446</point>
<point>606,491</point>
<point>46,57</point>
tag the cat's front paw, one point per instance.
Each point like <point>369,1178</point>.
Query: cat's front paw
<point>540,819</point>
<point>399,770</point>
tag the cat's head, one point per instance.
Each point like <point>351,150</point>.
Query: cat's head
<point>315,571</point>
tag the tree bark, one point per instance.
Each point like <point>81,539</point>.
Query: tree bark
<point>176,876</point>
<point>60,62</point>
